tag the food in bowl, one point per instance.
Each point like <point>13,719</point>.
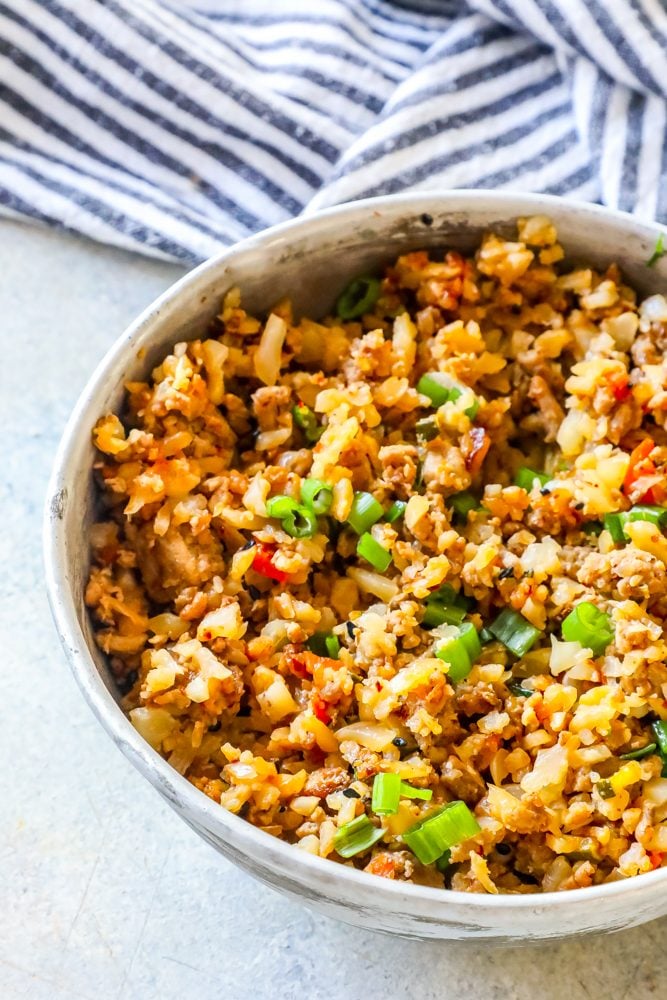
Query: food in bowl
<point>391,584</point>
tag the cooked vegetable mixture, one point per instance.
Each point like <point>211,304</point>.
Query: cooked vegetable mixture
<point>392,585</point>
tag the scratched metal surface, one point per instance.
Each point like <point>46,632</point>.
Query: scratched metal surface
<point>104,892</point>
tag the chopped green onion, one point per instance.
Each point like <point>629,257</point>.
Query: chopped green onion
<point>409,792</point>
<point>463,503</point>
<point>470,639</point>
<point>454,653</point>
<point>324,644</point>
<point>358,298</point>
<point>306,420</point>
<point>642,752</point>
<point>442,388</point>
<point>300,523</point>
<point>514,631</point>
<point>660,732</point>
<point>604,788</point>
<point>459,652</point>
<point>297,520</point>
<point>386,793</point>
<point>615,522</point>
<point>486,635</point>
<point>317,495</point>
<point>437,388</point>
<point>444,861</point>
<point>525,478</point>
<point>419,478</point>
<point>472,410</point>
<point>373,552</point>
<point>388,790</point>
<point>614,525</point>
<point>427,429</point>
<point>356,836</point>
<point>658,252</point>
<point>281,506</point>
<point>517,690</point>
<point>446,594</point>
<point>589,626</point>
<point>396,511</point>
<point>647,512</point>
<point>431,837</point>
<point>441,614</point>
<point>364,513</point>
<point>591,528</point>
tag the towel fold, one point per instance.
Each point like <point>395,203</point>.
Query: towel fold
<point>176,129</point>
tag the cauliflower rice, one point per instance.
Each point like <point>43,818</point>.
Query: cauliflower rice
<point>308,670</point>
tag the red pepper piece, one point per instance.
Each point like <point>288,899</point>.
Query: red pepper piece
<point>263,563</point>
<point>621,390</point>
<point>320,709</point>
<point>641,467</point>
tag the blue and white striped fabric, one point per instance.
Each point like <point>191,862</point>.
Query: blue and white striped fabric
<point>176,128</point>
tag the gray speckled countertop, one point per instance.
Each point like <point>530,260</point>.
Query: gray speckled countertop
<point>104,892</point>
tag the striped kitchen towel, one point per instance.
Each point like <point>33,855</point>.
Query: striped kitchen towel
<point>175,128</point>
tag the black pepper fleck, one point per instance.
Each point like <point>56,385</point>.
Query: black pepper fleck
<point>427,219</point>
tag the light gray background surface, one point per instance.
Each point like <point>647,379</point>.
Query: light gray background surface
<point>104,892</point>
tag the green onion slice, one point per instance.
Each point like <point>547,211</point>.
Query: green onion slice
<point>615,522</point>
<point>441,614</point>
<point>324,644</point>
<point>356,836</point>
<point>365,511</point>
<point>444,861</point>
<point>427,429</point>
<point>518,690</point>
<point>358,298</point>
<point>455,655</point>
<point>514,631</point>
<point>459,652</point>
<point>388,790</point>
<point>604,788</point>
<point>431,837</point>
<point>641,752</point>
<point>373,552</point>
<point>317,495</point>
<point>658,252</point>
<point>396,511</point>
<point>306,420</point>
<point>386,793</point>
<point>660,732</point>
<point>462,503</point>
<point>589,626</point>
<point>446,594</point>
<point>281,506</point>
<point>614,525</point>
<point>409,792</point>
<point>442,388</point>
<point>525,478</point>
<point>297,520</point>
<point>470,639</point>
<point>486,635</point>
